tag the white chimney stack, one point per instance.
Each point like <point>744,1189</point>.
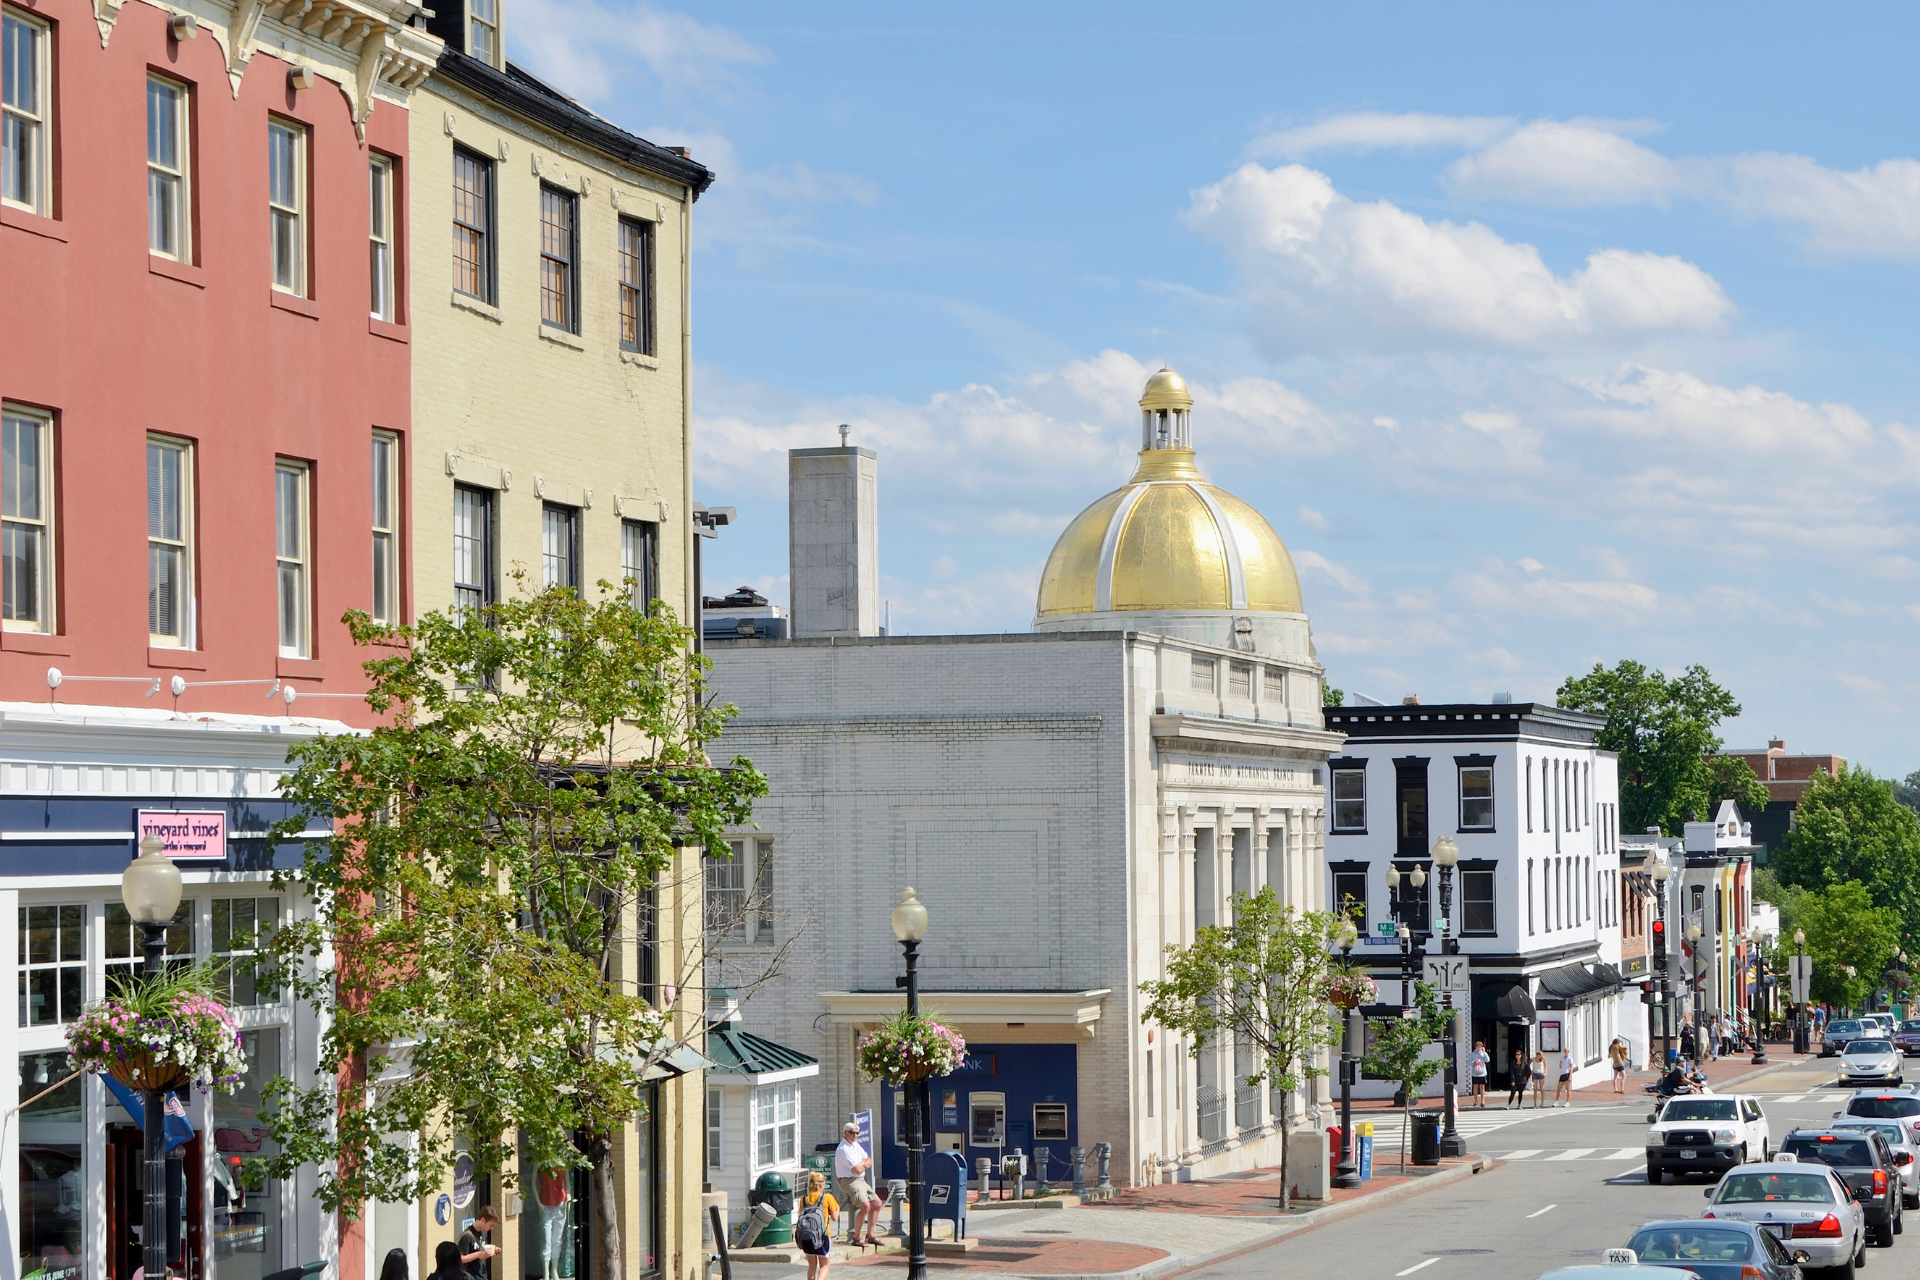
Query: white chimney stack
<point>833,531</point>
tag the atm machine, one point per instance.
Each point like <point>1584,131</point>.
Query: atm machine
<point>987,1120</point>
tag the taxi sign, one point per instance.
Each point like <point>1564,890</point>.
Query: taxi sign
<point>1622,1258</point>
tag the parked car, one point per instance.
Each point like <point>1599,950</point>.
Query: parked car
<point>1904,1152</point>
<point>1871,1060</point>
<point>1865,1163</point>
<point>1835,1037</point>
<point>1906,1038</point>
<point>1885,1104</point>
<point>1807,1206</point>
<point>1706,1133</point>
<point>1717,1250</point>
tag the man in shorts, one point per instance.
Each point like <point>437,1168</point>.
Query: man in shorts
<point>853,1170</point>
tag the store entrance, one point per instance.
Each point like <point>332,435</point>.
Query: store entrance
<point>126,1190</point>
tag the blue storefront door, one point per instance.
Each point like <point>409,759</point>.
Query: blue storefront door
<point>1005,1096</point>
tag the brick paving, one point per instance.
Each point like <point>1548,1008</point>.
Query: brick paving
<point>1254,1193</point>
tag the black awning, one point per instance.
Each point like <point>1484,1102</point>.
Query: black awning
<point>1503,1000</point>
<point>1577,982</point>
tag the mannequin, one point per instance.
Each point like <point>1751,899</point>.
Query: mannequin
<point>553,1219</point>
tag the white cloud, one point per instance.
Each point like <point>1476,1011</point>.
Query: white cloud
<point>1496,589</point>
<point>1870,212</point>
<point>1312,517</point>
<point>1351,583</point>
<point>1363,131</point>
<point>1577,162</point>
<point>590,49</point>
<point>1319,263</point>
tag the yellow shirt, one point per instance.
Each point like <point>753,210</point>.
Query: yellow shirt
<point>829,1209</point>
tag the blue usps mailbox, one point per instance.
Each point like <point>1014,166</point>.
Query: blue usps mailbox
<point>947,1190</point>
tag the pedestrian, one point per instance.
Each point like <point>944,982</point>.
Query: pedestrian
<point>446,1262</point>
<point>1477,1072</point>
<point>1517,1080</point>
<point>853,1168</point>
<point>1565,1087</point>
<point>395,1265</point>
<point>475,1253</point>
<point>813,1225</point>
<point>1617,1051</point>
<point>1537,1069</point>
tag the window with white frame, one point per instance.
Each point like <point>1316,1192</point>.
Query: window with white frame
<point>636,286</point>
<point>716,1130</point>
<point>53,963</point>
<point>776,1125</point>
<point>386,528</point>
<point>1476,794</point>
<point>123,950</point>
<point>640,560</point>
<point>483,30</point>
<point>24,111</point>
<point>168,197</point>
<point>1349,800</point>
<point>473,576</point>
<point>169,541</point>
<point>560,546</point>
<point>740,891</point>
<point>380,237</point>
<point>287,204</point>
<point>559,298</point>
<point>292,549</point>
<point>241,929</point>
<point>26,520</point>
<point>472,225</point>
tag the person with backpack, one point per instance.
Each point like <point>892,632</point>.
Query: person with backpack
<point>813,1225</point>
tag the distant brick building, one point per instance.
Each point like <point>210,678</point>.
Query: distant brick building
<point>1787,778</point>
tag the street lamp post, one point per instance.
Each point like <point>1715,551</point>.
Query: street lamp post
<point>1346,1173</point>
<point>1802,1042</point>
<point>1756,970</point>
<point>1397,907</point>
<point>1662,870</point>
<point>910,926</point>
<point>1694,934</point>
<point>1445,855</point>
<point>150,888</point>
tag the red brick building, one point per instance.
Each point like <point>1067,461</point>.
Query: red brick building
<point>1787,777</point>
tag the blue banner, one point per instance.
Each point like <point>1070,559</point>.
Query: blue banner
<point>179,1128</point>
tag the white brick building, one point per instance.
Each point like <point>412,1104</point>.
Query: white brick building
<point>1066,803</point>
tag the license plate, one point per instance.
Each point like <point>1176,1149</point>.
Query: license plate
<point>1686,1155</point>
<point>1779,1229</point>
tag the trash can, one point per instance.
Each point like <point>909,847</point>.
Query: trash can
<point>1426,1137</point>
<point>774,1191</point>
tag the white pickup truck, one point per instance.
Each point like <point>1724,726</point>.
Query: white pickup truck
<point>1706,1133</point>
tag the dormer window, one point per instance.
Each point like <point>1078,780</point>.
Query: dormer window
<point>483,28</point>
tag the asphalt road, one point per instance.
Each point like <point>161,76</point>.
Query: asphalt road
<point>1571,1183</point>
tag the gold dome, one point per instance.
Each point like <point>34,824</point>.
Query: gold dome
<point>1166,390</point>
<point>1168,540</point>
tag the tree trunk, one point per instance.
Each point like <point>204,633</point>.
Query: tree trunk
<point>1406,1130</point>
<point>1285,1187</point>
<point>606,1214</point>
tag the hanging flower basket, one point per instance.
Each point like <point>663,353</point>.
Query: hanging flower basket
<point>1349,989</point>
<point>911,1047</point>
<point>161,1035</point>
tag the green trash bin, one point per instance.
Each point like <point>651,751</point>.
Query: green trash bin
<point>776,1192</point>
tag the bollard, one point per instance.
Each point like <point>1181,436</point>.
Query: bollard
<point>1042,1156</point>
<point>897,1194</point>
<point>1077,1157</point>
<point>984,1168</point>
<point>756,1223</point>
<point>1105,1151</point>
<point>1015,1166</point>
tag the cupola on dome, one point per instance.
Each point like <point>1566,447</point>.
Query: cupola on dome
<point>1169,544</point>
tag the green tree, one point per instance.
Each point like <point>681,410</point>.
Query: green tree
<point>1662,728</point>
<point>1399,1053</point>
<point>536,799</point>
<point>1850,826</point>
<point>1851,942</point>
<point>1332,697</point>
<point>1907,791</point>
<point>1259,984</point>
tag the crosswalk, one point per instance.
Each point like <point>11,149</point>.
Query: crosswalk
<point>1475,1123</point>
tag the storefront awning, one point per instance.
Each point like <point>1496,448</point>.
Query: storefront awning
<point>1503,1000</point>
<point>1578,982</point>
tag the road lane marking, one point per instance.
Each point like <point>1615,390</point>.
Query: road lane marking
<point>1522,1155</point>
<point>1793,1097</point>
<point>1574,1153</point>
<point>1537,1212</point>
<point>1418,1266</point>
<point>1626,1153</point>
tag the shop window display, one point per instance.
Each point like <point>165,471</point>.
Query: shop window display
<point>52,1170</point>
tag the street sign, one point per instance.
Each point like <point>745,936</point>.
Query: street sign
<point>1801,970</point>
<point>1385,928</point>
<point>1449,973</point>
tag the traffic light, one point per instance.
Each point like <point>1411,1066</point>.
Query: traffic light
<point>1659,942</point>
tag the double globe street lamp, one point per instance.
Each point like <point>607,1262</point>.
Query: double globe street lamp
<point>1802,1041</point>
<point>1345,1173</point>
<point>910,926</point>
<point>1417,880</point>
<point>1446,855</point>
<point>150,887</point>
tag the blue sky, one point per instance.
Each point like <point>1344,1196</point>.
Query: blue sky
<point>1542,339</point>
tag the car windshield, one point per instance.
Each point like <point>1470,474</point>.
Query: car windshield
<point>1911,1024</point>
<point>1692,1244</point>
<point>1700,1109</point>
<point>1841,1153</point>
<point>1885,1106</point>
<point>1865,1047</point>
<point>1842,1028</point>
<point>1793,1188</point>
<point>1890,1129</point>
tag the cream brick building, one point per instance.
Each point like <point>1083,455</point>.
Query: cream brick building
<point>1067,804</point>
<point>546,305</point>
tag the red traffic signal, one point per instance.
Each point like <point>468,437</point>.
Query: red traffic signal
<point>1659,927</point>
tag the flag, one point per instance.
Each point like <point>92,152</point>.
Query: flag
<point>179,1128</point>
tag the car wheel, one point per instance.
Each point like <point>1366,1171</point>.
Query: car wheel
<point>1910,1201</point>
<point>1883,1236</point>
<point>1846,1269</point>
<point>1900,1219</point>
<point>1653,1174</point>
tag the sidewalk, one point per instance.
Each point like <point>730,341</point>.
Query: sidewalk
<point>1722,1075</point>
<point>1151,1231</point>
